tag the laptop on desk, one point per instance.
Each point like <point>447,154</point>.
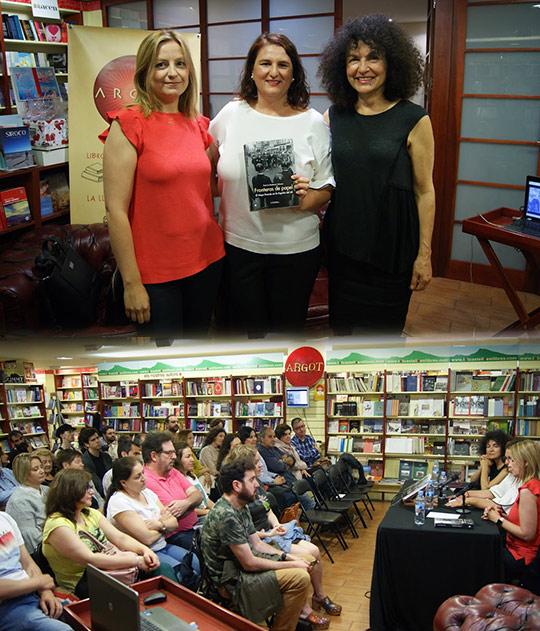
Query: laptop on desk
<point>529,222</point>
<point>115,606</point>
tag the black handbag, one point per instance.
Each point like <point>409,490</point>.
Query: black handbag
<point>70,286</point>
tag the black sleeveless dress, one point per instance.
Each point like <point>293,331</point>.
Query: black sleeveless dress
<point>372,227</point>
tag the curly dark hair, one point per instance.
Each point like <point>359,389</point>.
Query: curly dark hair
<point>405,67</point>
<point>497,436</point>
<point>298,93</point>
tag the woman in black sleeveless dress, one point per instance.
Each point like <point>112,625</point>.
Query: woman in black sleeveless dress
<point>380,222</point>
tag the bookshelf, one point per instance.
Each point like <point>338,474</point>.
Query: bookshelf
<point>258,401</point>
<point>528,404</point>
<point>161,398</point>
<point>207,398</point>
<point>78,394</point>
<point>121,406</point>
<point>22,407</point>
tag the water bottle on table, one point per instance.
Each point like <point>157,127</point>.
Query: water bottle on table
<point>443,479</point>
<point>430,495</point>
<point>435,472</point>
<point>420,509</point>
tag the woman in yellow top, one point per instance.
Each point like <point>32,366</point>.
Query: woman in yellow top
<point>68,515</point>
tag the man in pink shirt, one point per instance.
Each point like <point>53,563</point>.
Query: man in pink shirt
<point>171,487</point>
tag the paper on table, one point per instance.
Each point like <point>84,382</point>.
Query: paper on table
<point>437,515</point>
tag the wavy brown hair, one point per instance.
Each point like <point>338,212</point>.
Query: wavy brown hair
<point>298,92</point>
<point>68,488</point>
<point>405,65</point>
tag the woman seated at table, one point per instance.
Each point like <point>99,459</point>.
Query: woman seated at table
<point>283,442</point>
<point>68,550</point>
<point>288,537</point>
<point>27,502</point>
<point>184,464</point>
<point>522,525</point>
<point>46,457</point>
<point>492,468</point>
<point>137,511</point>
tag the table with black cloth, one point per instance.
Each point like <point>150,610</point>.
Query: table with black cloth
<point>416,568</point>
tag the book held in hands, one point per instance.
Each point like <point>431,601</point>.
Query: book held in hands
<point>269,167</point>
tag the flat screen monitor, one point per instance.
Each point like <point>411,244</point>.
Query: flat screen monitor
<point>297,397</point>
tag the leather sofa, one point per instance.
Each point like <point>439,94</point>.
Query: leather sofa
<point>496,607</point>
<point>22,308</point>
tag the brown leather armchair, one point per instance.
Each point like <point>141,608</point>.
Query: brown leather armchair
<point>496,607</point>
<point>22,308</point>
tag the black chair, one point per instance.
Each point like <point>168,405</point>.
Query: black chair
<point>340,491</point>
<point>318,519</point>
<point>348,464</point>
<point>351,488</point>
<point>328,499</point>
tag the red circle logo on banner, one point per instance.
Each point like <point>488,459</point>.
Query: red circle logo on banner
<point>113,87</point>
<point>304,366</point>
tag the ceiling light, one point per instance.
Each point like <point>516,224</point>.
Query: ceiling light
<point>64,357</point>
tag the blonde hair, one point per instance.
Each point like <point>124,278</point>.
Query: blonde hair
<point>43,452</point>
<point>145,64</point>
<point>240,451</point>
<point>22,465</point>
<point>527,454</point>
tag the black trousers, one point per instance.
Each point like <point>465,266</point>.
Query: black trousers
<point>270,292</point>
<point>364,299</point>
<point>184,306</point>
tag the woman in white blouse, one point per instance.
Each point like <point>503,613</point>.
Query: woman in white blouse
<point>273,253</point>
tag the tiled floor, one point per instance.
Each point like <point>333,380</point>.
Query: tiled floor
<point>452,307</point>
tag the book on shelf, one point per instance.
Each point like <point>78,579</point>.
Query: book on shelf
<point>333,426</point>
<point>269,167</point>
<point>16,149</point>
<point>412,469</point>
<point>377,469</point>
<point>529,406</point>
<point>373,425</point>
<point>529,381</point>
<point>354,426</point>
<point>15,206</point>
<point>355,383</point>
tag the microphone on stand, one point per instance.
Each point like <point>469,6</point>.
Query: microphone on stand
<point>449,481</point>
<point>463,510</point>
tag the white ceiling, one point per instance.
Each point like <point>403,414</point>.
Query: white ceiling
<point>399,10</point>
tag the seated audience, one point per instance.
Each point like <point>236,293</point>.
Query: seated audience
<point>305,445</point>
<point>27,502</point>
<point>522,524</point>
<point>95,461</point>
<point>186,436</point>
<point>290,538</point>
<point>231,547</point>
<point>72,459</point>
<point>126,447</point>
<point>492,466</point>
<point>209,454</point>
<point>65,434</point>
<point>4,459</point>
<point>171,424</point>
<point>20,445</point>
<point>66,548</point>
<point>7,485</point>
<point>184,464</point>
<point>283,442</point>
<point>229,442</point>
<point>137,511</point>
<point>46,457</point>
<point>172,488</point>
<point>27,601</point>
<point>108,441</point>
<point>247,435</point>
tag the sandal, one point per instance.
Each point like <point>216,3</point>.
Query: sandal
<point>330,607</point>
<point>317,623</point>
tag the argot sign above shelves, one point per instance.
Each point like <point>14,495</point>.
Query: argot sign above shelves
<point>304,366</point>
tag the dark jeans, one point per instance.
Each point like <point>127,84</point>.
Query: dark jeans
<point>270,292</point>
<point>364,299</point>
<point>182,538</point>
<point>183,306</point>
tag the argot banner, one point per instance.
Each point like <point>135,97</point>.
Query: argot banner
<point>101,68</point>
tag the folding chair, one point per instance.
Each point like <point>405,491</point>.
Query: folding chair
<point>351,488</point>
<point>329,500</point>
<point>339,487</point>
<point>317,518</point>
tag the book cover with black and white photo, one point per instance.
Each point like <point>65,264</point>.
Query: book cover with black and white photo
<point>269,167</point>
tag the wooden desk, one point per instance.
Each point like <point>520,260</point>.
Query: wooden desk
<point>489,227</point>
<point>181,602</point>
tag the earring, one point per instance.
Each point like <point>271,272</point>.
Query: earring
<point>252,76</point>
<point>292,79</point>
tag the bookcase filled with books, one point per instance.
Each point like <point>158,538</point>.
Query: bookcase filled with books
<point>22,407</point>
<point>480,401</point>
<point>528,404</point>
<point>415,420</point>
<point>78,394</point>
<point>161,398</point>
<point>121,406</point>
<point>355,415</point>
<point>258,401</point>
<point>207,398</point>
